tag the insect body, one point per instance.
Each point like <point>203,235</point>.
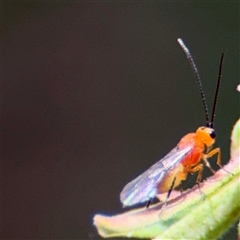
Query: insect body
<point>185,158</point>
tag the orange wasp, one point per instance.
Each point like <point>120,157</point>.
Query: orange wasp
<point>185,158</point>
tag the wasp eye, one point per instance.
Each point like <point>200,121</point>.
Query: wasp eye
<point>212,134</point>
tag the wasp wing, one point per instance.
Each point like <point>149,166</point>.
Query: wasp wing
<point>144,187</point>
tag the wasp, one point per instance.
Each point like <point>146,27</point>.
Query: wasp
<point>189,156</point>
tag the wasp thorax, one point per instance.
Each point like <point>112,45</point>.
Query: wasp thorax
<point>207,135</point>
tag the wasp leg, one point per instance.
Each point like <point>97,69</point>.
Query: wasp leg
<point>210,154</point>
<point>168,195</point>
<point>213,152</point>
<point>219,162</point>
<point>198,168</point>
<point>181,187</point>
<point>171,188</point>
<point>148,203</point>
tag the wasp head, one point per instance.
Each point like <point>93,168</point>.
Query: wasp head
<point>207,135</point>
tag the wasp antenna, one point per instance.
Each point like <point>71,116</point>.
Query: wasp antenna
<point>199,82</point>
<point>217,88</point>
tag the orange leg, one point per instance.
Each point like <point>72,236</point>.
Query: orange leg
<point>210,154</point>
<point>198,168</point>
<point>213,152</point>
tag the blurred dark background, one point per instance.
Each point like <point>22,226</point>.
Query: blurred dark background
<point>93,94</point>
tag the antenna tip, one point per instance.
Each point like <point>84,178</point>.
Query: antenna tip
<point>183,46</point>
<point>180,41</point>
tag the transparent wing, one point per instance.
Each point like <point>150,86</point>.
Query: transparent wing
<point>143,188</point>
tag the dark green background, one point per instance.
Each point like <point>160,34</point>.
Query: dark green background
<point>94,93</point>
